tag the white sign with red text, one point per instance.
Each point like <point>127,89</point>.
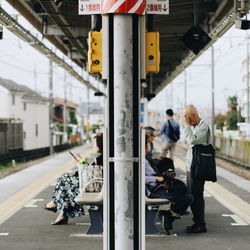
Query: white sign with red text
<point>158,7</point>
<point>89,7</point>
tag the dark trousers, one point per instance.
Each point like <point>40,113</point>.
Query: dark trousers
<point>196,187</point>
<point>179,203</point>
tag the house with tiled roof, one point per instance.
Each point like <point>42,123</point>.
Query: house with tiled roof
<point>20,104</point>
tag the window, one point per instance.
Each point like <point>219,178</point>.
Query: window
<point>36,129</point>
<point>13,99</point>
<point>24,106</point>
<point>24,135</point>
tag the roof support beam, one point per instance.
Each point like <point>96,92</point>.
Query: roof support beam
<point>25,35</point>
<point>220,28</point>
<point>49,6</point>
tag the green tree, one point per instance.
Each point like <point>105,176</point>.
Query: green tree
<point>220,120</point>
<point>233,116</point>
<point>232,121</point>
<point>73,119</point>
<point>232,103</point>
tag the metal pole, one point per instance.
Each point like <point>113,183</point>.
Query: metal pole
<point>142,66</point>
<point>106,153</point>
<point>248,87</point>
<point>122,214</point>
<point>195,12</point>
<point>185,88</point>
<point>172,95</point>
<point>87,106</point>
<point>123,125</point>
<point>212,92</point>
<point>65,110</point>
<point>51,149</point>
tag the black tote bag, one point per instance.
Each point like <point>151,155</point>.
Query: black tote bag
<point>203,165</point>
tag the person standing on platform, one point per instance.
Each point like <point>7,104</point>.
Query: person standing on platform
<point>171,134</point>
<point>196,132</point>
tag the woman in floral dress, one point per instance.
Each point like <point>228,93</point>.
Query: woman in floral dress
<point>66,190</point>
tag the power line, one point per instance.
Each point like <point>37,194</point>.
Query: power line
<point>23,69</point>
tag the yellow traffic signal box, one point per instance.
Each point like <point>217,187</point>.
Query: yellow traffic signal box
<point>95,52</point>
<point>152,52</point>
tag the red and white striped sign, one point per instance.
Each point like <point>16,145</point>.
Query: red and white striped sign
<point>124,6</point>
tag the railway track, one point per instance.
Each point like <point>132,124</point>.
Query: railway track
<point>224,161</point>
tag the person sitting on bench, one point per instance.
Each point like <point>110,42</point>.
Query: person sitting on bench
<point>166,187</point>
<point>66,190</point>
<point>161,163</point>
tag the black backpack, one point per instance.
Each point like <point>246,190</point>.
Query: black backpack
<point>172,134</point>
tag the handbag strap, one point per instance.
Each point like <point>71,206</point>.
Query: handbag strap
<point>209,139</point>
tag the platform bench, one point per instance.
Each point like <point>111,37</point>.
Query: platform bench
<point>94,203</point>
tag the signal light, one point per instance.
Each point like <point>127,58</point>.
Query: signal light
<point>95,52</point>
<point>152,52</point>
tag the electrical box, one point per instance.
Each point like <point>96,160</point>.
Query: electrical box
<point>95,52</point>
<point>152,52</point>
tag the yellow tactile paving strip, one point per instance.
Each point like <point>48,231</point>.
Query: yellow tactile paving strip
<point>19,199</point>
<point>222,195</point>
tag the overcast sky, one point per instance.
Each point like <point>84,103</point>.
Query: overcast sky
<point>19,62</point>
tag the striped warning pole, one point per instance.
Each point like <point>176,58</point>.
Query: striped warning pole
<point>122,207</point>
<point>124,6</point>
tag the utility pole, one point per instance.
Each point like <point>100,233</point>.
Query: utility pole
<point>172,95</point>
<point>185,88</point>
<point>65,136</point>
<point>51,149</point>
<point>212,93</point>
<point>248,89</point>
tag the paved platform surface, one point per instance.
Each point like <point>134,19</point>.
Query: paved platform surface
<point>27,226</point>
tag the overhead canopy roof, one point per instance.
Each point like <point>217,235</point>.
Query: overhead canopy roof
<point>59,21</point>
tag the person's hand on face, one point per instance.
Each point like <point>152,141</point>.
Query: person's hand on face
<point>189,120</point>
<point>186,120</point>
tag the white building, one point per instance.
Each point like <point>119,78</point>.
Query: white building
<point>20,103</point>
<point>92,113</point>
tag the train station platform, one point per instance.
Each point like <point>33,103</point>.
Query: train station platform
<point>26,225</point>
